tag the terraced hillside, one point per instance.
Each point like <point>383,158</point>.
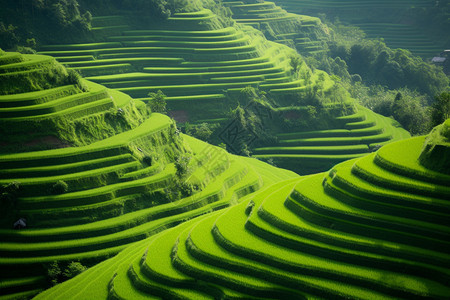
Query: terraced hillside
<point>118,186</point>
<point>355,135</point>
<point>193,59</point>
<point>372,227</point>
<point>280,26</point>
<point>202,66</point>
<point>379,19</point>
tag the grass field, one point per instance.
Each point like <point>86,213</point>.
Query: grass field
<point>308,237</point>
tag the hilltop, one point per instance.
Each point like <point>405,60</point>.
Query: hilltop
<point>372,227</point>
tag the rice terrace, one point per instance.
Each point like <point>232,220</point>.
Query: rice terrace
<point>224,149</point>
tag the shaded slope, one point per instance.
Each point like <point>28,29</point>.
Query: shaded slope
<point>120,185</point>
<point>353,136</point>
<point>379,19</point>
<point>373,227</point>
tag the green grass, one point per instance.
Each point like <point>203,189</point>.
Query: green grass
<point>316,236</point>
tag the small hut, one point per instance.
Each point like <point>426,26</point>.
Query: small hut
<point>21,223</point>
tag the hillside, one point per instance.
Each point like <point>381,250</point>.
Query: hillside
<point>116,173</point>
<point>372,227</point>
<point>413,25</point>
<point>304,33</point>
<point>203,65</point>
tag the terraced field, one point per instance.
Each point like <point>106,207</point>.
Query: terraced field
<point>193,59</point>
<point>119,189</point>
<point>403,36</point>
<point>354,136</point>
<point>372,227</point>
<point>389,26</point>
<point>280,26</point>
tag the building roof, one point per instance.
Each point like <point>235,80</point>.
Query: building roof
<point>438,59</point>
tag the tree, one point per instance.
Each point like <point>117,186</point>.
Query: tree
<point>157,102</point>
<point>60,187</point>
<point>73,269</point>
<point>182,165</point>
<point>441,109</point>
<point>202,131</point>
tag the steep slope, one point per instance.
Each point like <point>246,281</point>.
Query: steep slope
<point>372,227</point>
<point>109,182</point>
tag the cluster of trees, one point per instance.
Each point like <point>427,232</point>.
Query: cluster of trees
<point>25,22</point>
<point>391,82</point>
<point>378,64</point>
<point>416,112</point>
<point>60,272</point>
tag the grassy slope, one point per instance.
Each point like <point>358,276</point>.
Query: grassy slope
<point>121,187</point>
<point>308,237</point>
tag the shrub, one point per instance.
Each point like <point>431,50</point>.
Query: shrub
<point>441,109</point>
<point>157,102</point>
<point>54,273</point>
<point>147,160</point>
<point>182,165</point>
<point>202,131</point>
<point>73,269</point>
<point>60,187</point>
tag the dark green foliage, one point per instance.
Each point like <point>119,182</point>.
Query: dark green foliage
<point>436,151</point>
<point>182,165</point>
<point>147,160</point>
<point>154,9</point>
<point>296,62</point>
<point>57,273</point>
<point>60,187</point>
<point>157,102</point>
<point>8,37</point>
<point>73,269</point>
<point>409,108</point>
<point>378,64</point>
<point>49,21</point>
<point>202,131</point>
<point>441,109</point>
<point>54,273</point>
